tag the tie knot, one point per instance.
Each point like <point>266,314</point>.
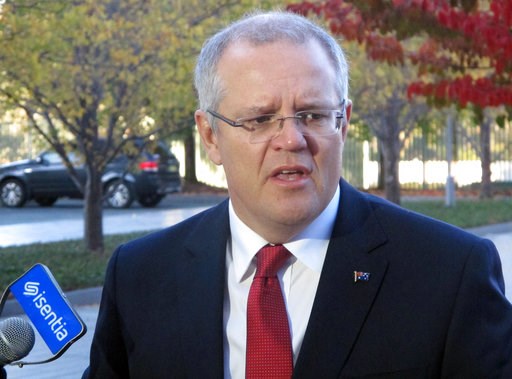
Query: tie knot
<point>270,259</point>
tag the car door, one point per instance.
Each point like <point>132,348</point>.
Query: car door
<point>51,177</point>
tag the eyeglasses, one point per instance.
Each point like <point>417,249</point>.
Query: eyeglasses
<point>265,127</point>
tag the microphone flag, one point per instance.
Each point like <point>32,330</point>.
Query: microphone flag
<point>48,308</point>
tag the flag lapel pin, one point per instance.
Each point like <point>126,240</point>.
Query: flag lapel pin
<point>360,276</point>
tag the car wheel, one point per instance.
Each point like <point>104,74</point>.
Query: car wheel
<point>13,193</point>
<point>119,194</point>
<point>46,201</point>
<point>150,200</point>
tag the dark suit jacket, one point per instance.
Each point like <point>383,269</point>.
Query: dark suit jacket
<point>434,304</point>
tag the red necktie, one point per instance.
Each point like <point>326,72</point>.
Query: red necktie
<point>269,348</point>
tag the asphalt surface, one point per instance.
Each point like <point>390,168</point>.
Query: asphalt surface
<point>31,224</point>
<point>27,229</point>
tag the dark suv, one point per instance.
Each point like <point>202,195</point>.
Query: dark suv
<point>45,179</point>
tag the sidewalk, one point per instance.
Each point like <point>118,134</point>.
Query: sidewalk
<point>150,219</point>
<point>501,235</point>
<point>70,365</point>
<point>75,360</point>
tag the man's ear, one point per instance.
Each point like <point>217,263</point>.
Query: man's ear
<point>208,137</point>
<point>348,109</point>
<point>346,120</point>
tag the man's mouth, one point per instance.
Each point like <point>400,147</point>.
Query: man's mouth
<point>289,174</point>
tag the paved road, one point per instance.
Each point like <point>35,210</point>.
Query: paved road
<point>64,220</point>
<point>75,360</point>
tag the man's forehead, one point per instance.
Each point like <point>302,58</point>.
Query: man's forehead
<point>242,47</point>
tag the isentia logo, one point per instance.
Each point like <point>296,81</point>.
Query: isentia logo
<point>55,323</point>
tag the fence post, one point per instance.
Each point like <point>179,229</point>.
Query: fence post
<point>450,182</point>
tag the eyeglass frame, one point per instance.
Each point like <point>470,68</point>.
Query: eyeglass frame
<point>237,123</point>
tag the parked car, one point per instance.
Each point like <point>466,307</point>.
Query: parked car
<point>46,179</point>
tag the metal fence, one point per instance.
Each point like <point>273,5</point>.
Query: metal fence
<point>423,163</point>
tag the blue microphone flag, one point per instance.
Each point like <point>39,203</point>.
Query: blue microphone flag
<point>48,308</point>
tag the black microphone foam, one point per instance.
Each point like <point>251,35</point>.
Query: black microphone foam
<point>17,338</point>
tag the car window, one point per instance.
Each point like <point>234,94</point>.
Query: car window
<point>161,150</point>
<point>52,157</point>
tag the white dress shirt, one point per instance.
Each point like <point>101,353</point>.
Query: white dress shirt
<point>299,280</point>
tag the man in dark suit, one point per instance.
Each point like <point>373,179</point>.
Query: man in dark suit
<point>370,290</point>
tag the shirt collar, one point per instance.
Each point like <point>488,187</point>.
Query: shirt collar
<point>309,246</point>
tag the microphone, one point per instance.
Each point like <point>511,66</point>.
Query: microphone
<point>48,310</point>
<point>17,338</point>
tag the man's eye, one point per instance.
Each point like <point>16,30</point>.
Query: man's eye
<point>263,119</point>
<point>313,116</point>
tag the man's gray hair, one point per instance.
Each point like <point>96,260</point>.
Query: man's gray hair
<point>262,28</point>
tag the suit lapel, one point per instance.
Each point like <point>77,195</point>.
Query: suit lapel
<point>201,296</point>
<point>341,304</point>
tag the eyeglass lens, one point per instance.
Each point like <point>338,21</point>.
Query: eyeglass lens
<point>315,124</point>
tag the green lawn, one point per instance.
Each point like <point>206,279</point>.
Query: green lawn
<point>466,213</point>
<point>74,268</point>
<point>69,262</point>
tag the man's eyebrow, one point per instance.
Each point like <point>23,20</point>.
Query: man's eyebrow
<point>317,102</point>
<point>256,109</point>
<point>270,109</point>
<point>318,105</point>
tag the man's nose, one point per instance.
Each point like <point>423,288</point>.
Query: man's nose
<point>290,134</point>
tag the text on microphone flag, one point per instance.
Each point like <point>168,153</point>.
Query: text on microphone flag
<point>47,307</point>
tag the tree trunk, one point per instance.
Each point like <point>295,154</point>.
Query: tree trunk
<point>391,172</point>
<point>485,159</point>
<point>93,218</point>
<point>190,158</point>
